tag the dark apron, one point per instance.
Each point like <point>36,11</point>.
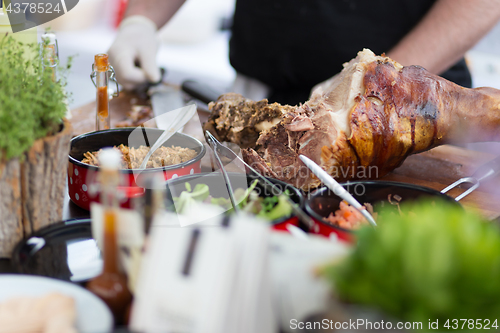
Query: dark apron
<point>292,45</point>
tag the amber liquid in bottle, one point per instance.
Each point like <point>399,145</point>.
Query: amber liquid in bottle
<point>111,284</point>
<point>101,67</point>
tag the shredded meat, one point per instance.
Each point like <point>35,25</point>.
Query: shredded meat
<point>240,120</point>
<point>133,157</point>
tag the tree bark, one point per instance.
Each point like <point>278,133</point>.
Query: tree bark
<point>11,225</point>
<point>43,180</point>
<point>32,192</point>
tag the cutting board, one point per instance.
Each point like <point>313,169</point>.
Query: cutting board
<point>436,168</point>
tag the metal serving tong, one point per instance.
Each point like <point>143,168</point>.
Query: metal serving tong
<point>483,172</point>
<point>216,148</point>
<point>333,185</point>
<point>219,149</point>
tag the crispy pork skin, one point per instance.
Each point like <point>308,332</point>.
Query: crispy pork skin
<point>372,116</point>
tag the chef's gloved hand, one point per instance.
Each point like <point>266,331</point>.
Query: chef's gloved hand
<point>135,45</point>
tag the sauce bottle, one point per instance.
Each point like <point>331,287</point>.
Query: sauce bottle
<point>100,69</point>
<point>102,73</point>
<point>111,284</point>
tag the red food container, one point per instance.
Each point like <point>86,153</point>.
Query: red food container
<point>320,203</point>
<point>81,176</point>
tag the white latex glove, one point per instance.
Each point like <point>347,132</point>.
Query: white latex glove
<point>136,41</point>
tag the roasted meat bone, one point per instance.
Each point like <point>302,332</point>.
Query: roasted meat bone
<point>372,116</point>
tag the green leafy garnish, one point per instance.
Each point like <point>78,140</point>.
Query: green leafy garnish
<point>248,200</point>
<point>31,103</point>
<point>188,198</point>
<point>222,202</point>
<point>434,261</point>
<point>242,196</point>
<point>275,207</point>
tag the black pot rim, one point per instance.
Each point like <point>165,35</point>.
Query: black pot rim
<point>323,189</point>
<point>186,178</point>
<point>129,129</point>
<point>68,226</point>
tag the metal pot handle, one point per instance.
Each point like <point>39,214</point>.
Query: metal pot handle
<point>484,172</point>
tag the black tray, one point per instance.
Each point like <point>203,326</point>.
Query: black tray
<point>64,250</point>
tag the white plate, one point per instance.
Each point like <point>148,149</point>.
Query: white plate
<point>92,314</point>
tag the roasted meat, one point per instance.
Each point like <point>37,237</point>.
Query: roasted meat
<point>239,120</point>
<point>372,116</point>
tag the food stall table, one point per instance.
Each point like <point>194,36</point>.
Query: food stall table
<point>436,168</point>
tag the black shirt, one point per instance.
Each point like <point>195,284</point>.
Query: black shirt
<point>292,45</point>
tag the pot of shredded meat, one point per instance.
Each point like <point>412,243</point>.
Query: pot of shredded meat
<point>133,157</point>
<point>180,155</point>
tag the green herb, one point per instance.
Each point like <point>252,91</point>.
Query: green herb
<point>222,202</point>
<point>275,207</point>
<point>242,196</point>
<point>188,198</point>
<point>31,103</point>
<point>248,200</point>
<point>435,261</point>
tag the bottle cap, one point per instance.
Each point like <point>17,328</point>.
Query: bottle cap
<point>101,62</point>
<point>49,37</point>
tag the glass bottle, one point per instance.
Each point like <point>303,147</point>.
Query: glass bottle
<point>101,73</point>
<point>50,53</point>
<point>111,284</point>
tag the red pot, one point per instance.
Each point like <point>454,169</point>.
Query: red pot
<point>81,176</point>
<point>322,202</point>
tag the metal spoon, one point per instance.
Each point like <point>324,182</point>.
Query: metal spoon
<point>180,120</point>
<point>333,185</point>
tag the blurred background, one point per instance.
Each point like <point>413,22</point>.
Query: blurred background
<point>194,43</point>
<point>195,46</point>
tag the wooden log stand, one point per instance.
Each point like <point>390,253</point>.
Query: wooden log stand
<point>32,188</point>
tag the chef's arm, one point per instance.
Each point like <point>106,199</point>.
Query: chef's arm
<point>445,33</point>
<point>158,11</point>
<point>449,29</point>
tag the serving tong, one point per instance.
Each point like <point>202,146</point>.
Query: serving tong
<point>220,150</point>
<point>482,173</point>
<point>216,148</point>
<point>333,185</point>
